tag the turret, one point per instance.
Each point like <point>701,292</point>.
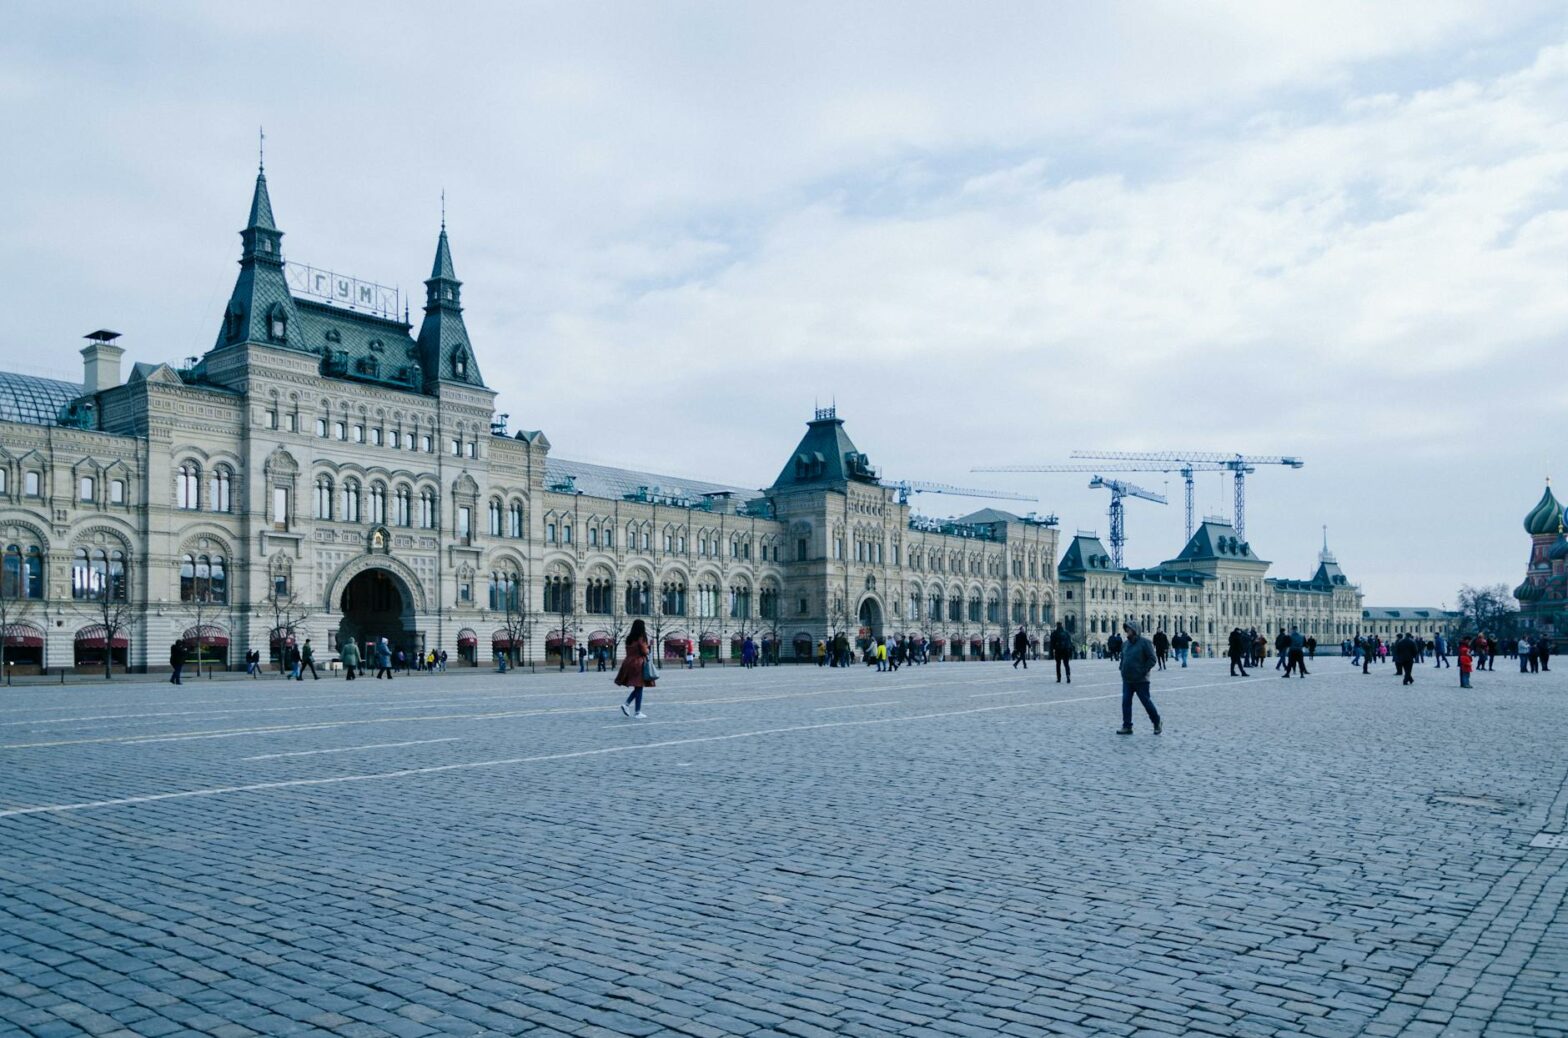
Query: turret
<point>261,309</point>
<point>444,351</point>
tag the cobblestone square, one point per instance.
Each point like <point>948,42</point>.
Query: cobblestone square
<point>956,849</point>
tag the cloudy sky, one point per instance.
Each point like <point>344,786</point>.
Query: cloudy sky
<point>992,233</point>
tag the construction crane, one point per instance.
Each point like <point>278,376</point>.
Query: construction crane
<point>905,487</point>
<point>1187,462</point>
<point>1185,470</point>
<point>1120,490</point>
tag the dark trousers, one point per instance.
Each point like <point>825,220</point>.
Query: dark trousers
<point>1546,659</point>
<point>1235,661</point>
<point>348,673</point>
<point>1442,661</point>
<point>1018,657</point>
<point>1141,690</point>
<point>312,666</point>
<point>1159,658</point>
<point>1296,661</point>
<point>174,678</point>
<point>384,672</point>
<point>1408,670</point>
<point>1064,660</point>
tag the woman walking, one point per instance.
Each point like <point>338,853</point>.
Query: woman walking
<point>350,656</point>
<point>637,670</point>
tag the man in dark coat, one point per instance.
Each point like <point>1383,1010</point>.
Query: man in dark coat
<point>1404,652</point>
<point>1237,649</point>
<point>1113,646</point>
<point>1062,652</point>
<point>1137,660</point>
<point>1021,649</point>
<point>176,662</point>
<point>1162,646</point>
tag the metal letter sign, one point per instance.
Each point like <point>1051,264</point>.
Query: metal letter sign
<point>342,290</point>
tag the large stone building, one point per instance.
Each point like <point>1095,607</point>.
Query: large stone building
<point>326,471</point>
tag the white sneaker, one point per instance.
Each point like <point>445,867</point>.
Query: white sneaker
<point>625,711</point>
<point>641,716</point>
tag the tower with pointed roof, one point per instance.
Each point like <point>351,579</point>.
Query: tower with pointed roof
<point>1543,595</point>
<point>444,351</point>
<point>261,309</point>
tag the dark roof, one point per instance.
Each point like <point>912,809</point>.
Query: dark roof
<point>1216,539</point>
<point>359,345</point>
<point>617,484</point>
<point>34,400</point>
<point>1156,575</point>
<point>1085,552</point>
<point>1407,613</point>
<point>826,456</point>
<point>989,515</point>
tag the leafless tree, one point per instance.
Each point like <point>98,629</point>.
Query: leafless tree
<point>516,620</point>
<point>1488,609</point>
<point>114,613</point>
<point>288,612</point>
<point>13,608</point>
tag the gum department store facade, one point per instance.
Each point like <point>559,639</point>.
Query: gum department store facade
<point>325,471</point>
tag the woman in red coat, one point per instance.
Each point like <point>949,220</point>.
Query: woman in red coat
<point>1466,663</point>
<point>636,671</point>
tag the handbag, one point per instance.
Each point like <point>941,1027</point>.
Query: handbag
<point>649,671</point>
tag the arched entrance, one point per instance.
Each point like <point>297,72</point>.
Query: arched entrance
<point>375,605</point>
<point>870,621</point>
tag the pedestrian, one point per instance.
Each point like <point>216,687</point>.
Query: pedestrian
<point>402,660</point>
<point>307,658</point>
<point>384,659</point>
<point>296,662</point>
<point>1465,663</point>
<point>253,663</point>
<point>1440,650</point>
<point>637,670</point>
<point>349,656</point>
<point>1062,652</point>
<point>1182,643</point>
<point>1136,662</point>
<point>176,662</point>
<point>1113,646</point>
<point>1526,654</point>
<point>1404,654</point>
<point>1237,649</point>
<point>441,660</point>
<point>1021,649</point>
<point>1162,646</point>
<point>1296,646</point>
<point>1312,648</point>
<point>1543,650</point>
<point>1368,650</point>
<point>1282,652</point>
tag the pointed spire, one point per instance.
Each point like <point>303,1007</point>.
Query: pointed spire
<point>442,268</point>
<point>260,207</point>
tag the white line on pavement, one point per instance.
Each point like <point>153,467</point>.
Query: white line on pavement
<point>854,706</point>
<point>257,787</point>
<point>624,726</point>
<point>347,749</point>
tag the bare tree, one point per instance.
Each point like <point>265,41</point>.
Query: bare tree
<point>113,602</point>
<point>1489,609</point>
<point>516,620</point>
<point>13,608</point>
<point>288,613</point>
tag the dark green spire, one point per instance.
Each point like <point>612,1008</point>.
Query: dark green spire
<point>444,351</point>
<point>261,309</point>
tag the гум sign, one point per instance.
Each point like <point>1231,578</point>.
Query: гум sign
<point>342,290</point>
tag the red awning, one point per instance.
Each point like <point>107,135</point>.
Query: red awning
<point>23,636</point>
<point>599,640</point>
<point>96,641</point>
<point>554,641</point>
<point>710,639</point>
<point>976,641</point>
<point>216,641</point>
<point>501,640</point>
<point>467,639</point>
<point>938,641</point>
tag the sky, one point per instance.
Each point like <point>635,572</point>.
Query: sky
<point>990,234</point>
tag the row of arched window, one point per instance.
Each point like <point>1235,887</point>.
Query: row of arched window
<point>204,578</point>
<point>98,573</point>
<point>507,520</point>
<point>352,504</point>
<point>188,491</point>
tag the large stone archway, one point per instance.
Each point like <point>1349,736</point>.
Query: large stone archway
<point>376,603</point>
<point>870,617</point>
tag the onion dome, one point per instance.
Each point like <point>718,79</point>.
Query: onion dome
<point>1545,517</point>
<point>1559,550</point>
<point>1528,592</point>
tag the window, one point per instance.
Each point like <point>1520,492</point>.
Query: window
<point>397,440</point>
<point>427,445</point>
<point>116,490</point>
<point>838,547</point>
<point>646,537</point>
<point>339,431</point>
<point>465,517</point>
<point>473,448</point>
<point>280,585</point>
<point>669,541</point>
<point>609,536</point>
<point>203,579</point>
<point>514,521</point>
<point>637,603</point>
<point>350,501</point>
<point>549,533</point>
<point>22,573</point>
<point>465,592</point>
<point>291,422</point>
<point>98,573</point>
<point>270,419</point>
<point>740,603</point>
<point>375,437</point>
<point>277,326</point>
<point>768,604</point>
<point>280,506</point>
<point>32,484</point>
<point>457,448</point>
<point>566,533</point>
<point>800,549</point>
<point>558,594</point>
<point>323,509</point>
<point>599,597</point>
<point>400,514</point>
<point>427,509</point>
<point>672,600</point>
<point>187,485</point>
<point>378,503</point>
<point>85,488</point>
<point>495,518</point>
<point>4,484</point>
<point>707,600</point>
<point>593,536</point>
<point>359,434</point>
<point>218,490</point>
<point>504,589</point>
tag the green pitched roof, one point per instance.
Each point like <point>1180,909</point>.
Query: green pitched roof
<point>260,292</point>
<point>360,346</point>
<point>1216,539</point>
<point>825,456</point>
<point>261,206</point>
<point>1085,552</point>
<point>444,350</point>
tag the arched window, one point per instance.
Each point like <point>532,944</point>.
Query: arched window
<point>558,594</point>
<point>87,488</point>
<point>350,501</point>
<point>218,489</point>
<point>81,575</point>
<point>672,599</point>
<point>427,509</point>
<point>637,602</point>
<point>277,322</point>
<point>599,596</point>
<point>378,503</point>
<point>203,578</point>
<point>504,592</point>
<point>740,602</point>
<point>188,486</point>
<point>323,497</point>
<point>401,513</point>
<point>514,521</point>
<point>495,518</point>
<point>768,603</point>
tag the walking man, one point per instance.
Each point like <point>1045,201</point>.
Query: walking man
<point>1440,650</point>
<point>177,662</point>
<point>349,654</point>
<point>1162,646</point>
<point>1237,648</point>
<point>1062,652</point>
<point>1296,646</point>
<point>1282,650</point>
<point>1405,658</point>
<point>1020,649</point>
<point>1137,660</point>
<point>307,658</point>
<point>1181,643</point>
<point>384,659</point>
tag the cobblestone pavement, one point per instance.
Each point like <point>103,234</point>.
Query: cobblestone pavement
<point>946,850</point>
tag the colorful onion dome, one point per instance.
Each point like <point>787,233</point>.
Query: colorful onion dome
<point>1528,592</point>
<point>1558,550</point>
<point>1545,517</point>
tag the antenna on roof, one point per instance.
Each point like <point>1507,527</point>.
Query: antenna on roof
<point>443,208</point>
<point>261,149</point>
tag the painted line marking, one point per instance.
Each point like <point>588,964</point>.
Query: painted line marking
<point>349,749</point>
<point>854,706</point>
<point>626,723</point>
<point>257,787</point>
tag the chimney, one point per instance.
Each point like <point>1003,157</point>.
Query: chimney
<point>101,361</point>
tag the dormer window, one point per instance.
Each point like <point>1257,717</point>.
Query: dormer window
<point>460,364</point>
<point>236,323</point>
<point>277,324</point>
<point>376,346</point>
<point>333,335</point>
<point>266,244</point>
